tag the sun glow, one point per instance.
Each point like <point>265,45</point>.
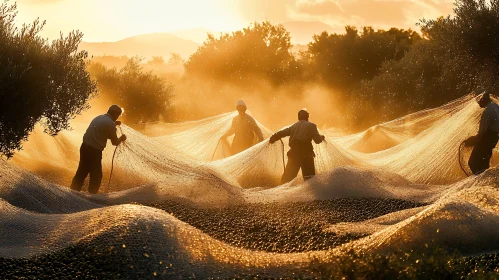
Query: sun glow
<point>112,20</point>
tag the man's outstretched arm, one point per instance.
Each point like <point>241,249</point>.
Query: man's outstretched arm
<point>318,138</point>
<point>230,131</point>
<point>115,140</point>
<point>485,121</point>
<point>257,130</point>
<point>280,134</point>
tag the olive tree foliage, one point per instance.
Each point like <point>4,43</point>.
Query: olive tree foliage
<point>341,61</point>
<point>145,96</point>
<point>459,54</point>
<point>40,82</point>
<point>262,50</point>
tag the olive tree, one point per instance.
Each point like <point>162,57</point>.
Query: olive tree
<point>40,81</point>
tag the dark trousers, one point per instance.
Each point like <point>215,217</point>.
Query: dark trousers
<point>482,152</point>
<point>90,162</point>
<point>297,160</point>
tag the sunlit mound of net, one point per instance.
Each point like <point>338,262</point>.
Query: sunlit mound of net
<point>347,182</point>
<point>399,186</point>
<point>201,139</point>
<point>263,164</point>
<point>24,189</point>
<point>140,161</point>
<point>465,218</point>
<point>422,147</point>
<point>392,133</point>
<point>152,240</point>
<point>432,156</point>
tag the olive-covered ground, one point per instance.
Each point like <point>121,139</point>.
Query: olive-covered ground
<point>290,227</point>
<point>283,227</point>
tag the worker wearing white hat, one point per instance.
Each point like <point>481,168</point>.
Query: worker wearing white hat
<point>244,128</point>
<point>101,128</point>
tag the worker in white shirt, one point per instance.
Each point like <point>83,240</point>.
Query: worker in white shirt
<point>101,128</point>
<point>244,128</point>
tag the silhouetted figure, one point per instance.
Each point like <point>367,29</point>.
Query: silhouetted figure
<point>301,155</point>
<point>101,128</point>
<point>486,139</point>
<point>245,128</point>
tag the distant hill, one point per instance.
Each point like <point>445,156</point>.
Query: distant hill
<point>186,42</point>
<point>197,35</point>
<point>302,31</point>
<point>146,45</point>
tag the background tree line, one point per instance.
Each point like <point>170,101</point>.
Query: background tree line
<point>380,74</point>
<point>144,95</point>
<point>458,55</point>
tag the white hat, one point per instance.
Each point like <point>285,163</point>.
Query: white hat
<point>241,102</point>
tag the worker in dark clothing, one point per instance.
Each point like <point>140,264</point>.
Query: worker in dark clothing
<point>486,139</point>
<point>101,128</point>
<point>244,128</point>
<point>301,155</point>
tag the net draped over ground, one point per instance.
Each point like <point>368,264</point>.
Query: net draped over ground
<point>413,158</point>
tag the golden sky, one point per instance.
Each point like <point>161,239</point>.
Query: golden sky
<point>111,20</point>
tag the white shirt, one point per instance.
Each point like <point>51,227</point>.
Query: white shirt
<point>100,129</point>
<point>490,119</point>
<point>244,126</point>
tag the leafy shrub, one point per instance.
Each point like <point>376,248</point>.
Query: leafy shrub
<point>39,81</point>
<point>145,96</point>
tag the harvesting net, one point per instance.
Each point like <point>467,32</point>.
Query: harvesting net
<point>202,140</point>
<point>397,185</point>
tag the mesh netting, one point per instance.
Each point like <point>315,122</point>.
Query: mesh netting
<point>417,158</point>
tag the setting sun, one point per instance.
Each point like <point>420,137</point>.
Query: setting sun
<point>112,20</point>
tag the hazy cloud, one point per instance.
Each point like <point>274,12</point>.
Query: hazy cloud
<point>445,7</point>
<point>258,10</point>
<point>378,13</point>
<point>40,2</point>
<point>375,12</point>
<point>320,8</point>
<point>104,20</point>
